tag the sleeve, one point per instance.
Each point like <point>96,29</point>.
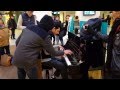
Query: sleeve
<point>19,24</point>
<point>102,36</point>
<point>50,49</point>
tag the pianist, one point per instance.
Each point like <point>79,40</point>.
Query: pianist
<point>57,62</point>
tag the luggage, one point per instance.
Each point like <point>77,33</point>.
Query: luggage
<point>5,60</point>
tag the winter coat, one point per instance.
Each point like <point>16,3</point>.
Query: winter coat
<point>4,37</point>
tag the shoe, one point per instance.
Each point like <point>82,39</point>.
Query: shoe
<point>52,77</point>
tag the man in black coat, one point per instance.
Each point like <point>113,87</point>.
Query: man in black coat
<point>12,26</point>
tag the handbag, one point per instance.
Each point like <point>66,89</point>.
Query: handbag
<point>5,60</point>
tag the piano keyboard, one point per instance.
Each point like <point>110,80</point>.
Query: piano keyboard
<point>70,60</point>
<point>67,60</point>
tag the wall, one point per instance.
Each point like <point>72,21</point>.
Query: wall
<point>61,16</point>
<point>71,13</point>
<point>105,13</point>
<point>85,18</point>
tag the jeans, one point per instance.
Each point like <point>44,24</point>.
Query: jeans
<point>34,72</point>
<point>5,50</point>
<point>2,52</point>
<point>13,33</point>
<point>60,67</point>
<point>21,73</point>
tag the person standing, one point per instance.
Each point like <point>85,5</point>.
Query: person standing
<point>24,20</point>
<point>113,52</point>
<point>112,65</point>
<point>65,24</point>
<point>12,26</point>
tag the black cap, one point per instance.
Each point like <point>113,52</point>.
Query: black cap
<point>47,22</point>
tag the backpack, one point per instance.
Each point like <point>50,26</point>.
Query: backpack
<point>95,24</point>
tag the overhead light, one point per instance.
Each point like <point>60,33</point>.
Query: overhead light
<point>55,13</point>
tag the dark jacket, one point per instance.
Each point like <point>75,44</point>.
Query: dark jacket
<point>108,19</point>
<point>113,49</point>
<point>31,42</point>
<point>12,24</point>
<point>28,20</point>
<point>94,45</point>
<point>95,26</point>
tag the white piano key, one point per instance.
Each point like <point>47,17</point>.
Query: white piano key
<point>67,60</point>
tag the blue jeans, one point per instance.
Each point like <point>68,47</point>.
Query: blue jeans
<point>33,72</point>
<point>21,73</point>
<point>59,65</point>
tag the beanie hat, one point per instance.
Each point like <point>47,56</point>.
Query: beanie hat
<point>47,23</point>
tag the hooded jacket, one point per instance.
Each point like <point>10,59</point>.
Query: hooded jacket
<point>32,40</point>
